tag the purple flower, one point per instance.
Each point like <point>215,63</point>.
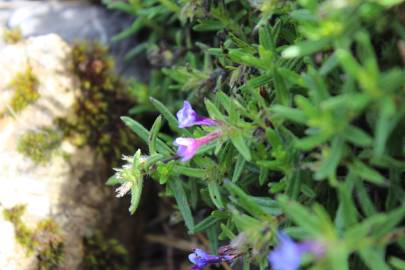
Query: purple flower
<point>187,147</point>
<point>287,255</point>
<point>187,117</point>
<point>200,259</point>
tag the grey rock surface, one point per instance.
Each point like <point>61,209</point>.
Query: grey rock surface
<point>73,21</point>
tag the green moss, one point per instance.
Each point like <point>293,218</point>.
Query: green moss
<point>45,240</point>
<point>48,244</point>
<point>23,234</point>
<point>25,85</point>
<point>106,254</point>
<point>95,119</point>
<point>12,35</point>
<point>39,145</point>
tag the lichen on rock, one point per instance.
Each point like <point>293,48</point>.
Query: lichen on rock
<point>25,86</point>
<point>40,145</point>
<point>101,101</point>
<point>12,35</point>
<point>45,241</point>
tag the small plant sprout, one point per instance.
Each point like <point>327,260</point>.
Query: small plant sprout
<point>187,117</point>
<point>130,179</point>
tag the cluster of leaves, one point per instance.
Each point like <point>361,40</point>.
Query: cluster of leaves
<point>45,240</point>
<point>25,85</point>
<point>312,95</point>
<point>102,253</point>
<point>94,120</point>
<point>39,145</point>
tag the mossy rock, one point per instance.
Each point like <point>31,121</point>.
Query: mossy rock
<point>12,35</point>
<point>39,145</point>
<point>25,85</point>
<point>45,240</point>
<point>106,254</point>
<point>23,234</point>
<point>103,99</point>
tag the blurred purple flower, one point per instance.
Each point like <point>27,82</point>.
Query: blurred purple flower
<point>200,259</point>
<point>187,117</point>
<point>287,255</point>
<point>187,147</point>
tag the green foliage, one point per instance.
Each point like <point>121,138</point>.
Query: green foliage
<point>39,145</point>
<point>309,96</point>
<point>102,253</point>
<point>45,240</point>
<point>12,35</point>
<point>25,85</point>
<point>94,120</point>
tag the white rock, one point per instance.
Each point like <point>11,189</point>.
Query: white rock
<point>55,190</point>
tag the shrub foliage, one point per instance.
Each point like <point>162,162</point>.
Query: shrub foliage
<point>309,96</point>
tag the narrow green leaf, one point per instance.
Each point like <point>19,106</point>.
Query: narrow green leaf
<point>136,191</point>
<point>143,133</point>
<point>373,259</point>
<point>239,166</point>
<point>280,86</point>
<point>213,110</point>
<point>227,231</point>
<point>239,142</point>
<point>385,123</point>
<point>215,194</point>
<point>265,38</point>
<point>330,163</point>
<point>300,215</point>
<point>205,224</point>
<point>264,172</point>
<point>112,181</point>
<point>397,263</point>
<point>245,201</point>
<point>192,172</point>
<point>179,194</point>
<point>357,136</point>
<point>153,134</point>
<point>289,113</point>
<point>366,172</point>
<point>365,201</point>
<point>305,48</point>
<point>133,29</point>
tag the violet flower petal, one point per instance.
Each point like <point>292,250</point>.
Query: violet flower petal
<point>187,147</point>
<point>287,255</point>
<point>200,259</point>
<point>187,117</point>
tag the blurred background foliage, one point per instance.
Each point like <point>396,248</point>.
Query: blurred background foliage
<point>314,94</point>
